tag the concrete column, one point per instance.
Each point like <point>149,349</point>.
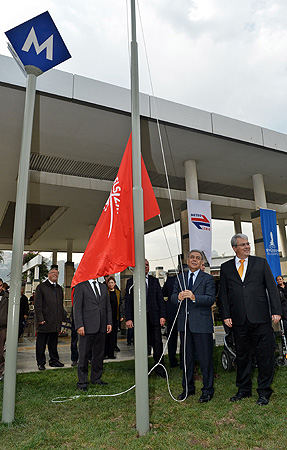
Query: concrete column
<point>69,271</point>
<point>54,257</point>
<point>282,234</point>
<point>69,250</point>
<point>237,223</point>
<point>191,186</point>
<point>191,183</point>
<point>259,191</point>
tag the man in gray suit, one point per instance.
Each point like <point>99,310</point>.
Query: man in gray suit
<point>196,292</point>
<point>93,318</point>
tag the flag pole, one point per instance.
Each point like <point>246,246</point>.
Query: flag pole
<point>9,392</point>
<point>141,362</point>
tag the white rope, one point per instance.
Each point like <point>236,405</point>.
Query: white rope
<point>158,364</point>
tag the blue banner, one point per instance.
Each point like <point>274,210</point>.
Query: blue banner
<point>269,231</point>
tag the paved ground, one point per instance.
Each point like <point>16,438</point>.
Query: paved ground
<point>26,358</point>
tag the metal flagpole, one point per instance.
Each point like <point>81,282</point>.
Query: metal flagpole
<point>141,362</point>
<point>17,251</point>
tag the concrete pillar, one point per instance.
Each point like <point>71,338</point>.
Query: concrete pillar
<point>191,186</point>
<point>282,234</point>
<point>237,224</point>
<point>259,191</point>
<point>191,183</point>
<point>54,257</point>
<point>69,271</point>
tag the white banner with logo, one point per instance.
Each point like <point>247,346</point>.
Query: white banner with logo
<point>199,225</point>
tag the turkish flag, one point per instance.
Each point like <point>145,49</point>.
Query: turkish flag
<point>111,247</point>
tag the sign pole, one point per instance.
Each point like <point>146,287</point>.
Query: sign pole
<point>141,361</point>
<point>17,251</point>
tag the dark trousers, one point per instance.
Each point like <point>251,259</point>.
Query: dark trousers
<point>94,343</point>
<point>257,338</point>
<point>42,340</point>
<point>200,344</point>
<point>172,343</point>
<point>111,340</point>
<point>155,340</point>
<point>74,343</point>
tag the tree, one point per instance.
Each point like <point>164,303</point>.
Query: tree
<point>43,268</point>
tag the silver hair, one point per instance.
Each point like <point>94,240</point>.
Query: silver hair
<point>197,251</point>
<point>234,238</point>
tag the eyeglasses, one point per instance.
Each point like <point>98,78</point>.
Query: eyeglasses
<point>244,244</point>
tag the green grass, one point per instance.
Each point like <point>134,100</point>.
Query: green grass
<point>109,422</point>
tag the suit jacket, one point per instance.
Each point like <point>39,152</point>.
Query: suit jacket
<point>155,303</point>
<point>91,312</point>
<point>167,291</point>
<point>256,298</point>
<point>199,312</point>
<point>49,307</point>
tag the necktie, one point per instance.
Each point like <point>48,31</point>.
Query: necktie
<point>190,282</point>
<point>241,267</point>
<point>96,289</point>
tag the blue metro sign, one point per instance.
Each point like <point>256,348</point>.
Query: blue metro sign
<point>38,43</point>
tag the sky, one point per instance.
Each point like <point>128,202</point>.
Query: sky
<point>222,56</point>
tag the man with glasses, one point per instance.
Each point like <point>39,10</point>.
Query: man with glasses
<point>249,303</point>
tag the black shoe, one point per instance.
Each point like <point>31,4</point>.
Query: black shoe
<point>161,374</point>
<point>239,396</point>
<point>101,382</point>
<point>56,364</point>
<point>83,388</point>
<point>175,364</point>
<point>74,363</point>
<point>204,398</point>
<point>184,394</point>
<point>262,401</point>
<point>112,357</point>
<point>41,367</point>
<point>117,349</point>
<point>129,343</point>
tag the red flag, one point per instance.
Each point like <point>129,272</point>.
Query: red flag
<point>111,246</point>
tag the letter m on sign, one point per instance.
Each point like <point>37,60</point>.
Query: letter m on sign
<point>32,39</point>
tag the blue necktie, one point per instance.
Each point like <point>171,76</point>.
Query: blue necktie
<point>190,282</point>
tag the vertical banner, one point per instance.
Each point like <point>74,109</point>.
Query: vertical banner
<point>199,226</point>
<point>269,232</point>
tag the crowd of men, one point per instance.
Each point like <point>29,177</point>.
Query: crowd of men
<point>249,302</point>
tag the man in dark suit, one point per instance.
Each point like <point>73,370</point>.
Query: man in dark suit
<point>156,315</point>
<point>249,299</point>
<point>49,313</point>
<point>196,291</point>
<point>93,319</point>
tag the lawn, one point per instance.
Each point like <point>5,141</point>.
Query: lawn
<point>109,422</point>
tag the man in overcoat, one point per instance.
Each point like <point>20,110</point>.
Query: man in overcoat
<point>49,314</point>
